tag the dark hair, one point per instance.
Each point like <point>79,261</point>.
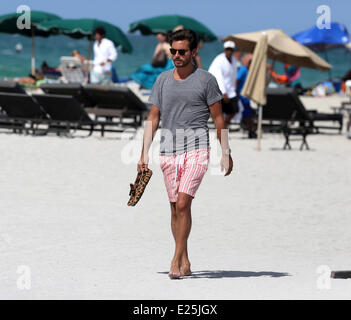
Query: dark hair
<point>185,34</point>
<point>168,35</point>
<point>100,30</point>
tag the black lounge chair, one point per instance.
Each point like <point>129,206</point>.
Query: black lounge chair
<point>11,87</point>
<point>289,96</point>
<point>18,105</point>
<point>68,89</point>
<point>281,114</point>
<point>62,108</point>
<point>116,101</point>
<point>316,116</point>
<point>20,109</point>
<point>284,107</point>
<point>66,112</point>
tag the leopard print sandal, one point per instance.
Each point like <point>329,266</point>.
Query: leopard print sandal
<point>137,189</point>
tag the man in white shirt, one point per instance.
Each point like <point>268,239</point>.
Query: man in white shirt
<point>104,53</point>
<point>224,68</point>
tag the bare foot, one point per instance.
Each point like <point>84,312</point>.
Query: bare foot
<point>185,269</point>
<point>174,272</point>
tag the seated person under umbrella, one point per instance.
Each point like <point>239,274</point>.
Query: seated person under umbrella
<point>291,78</point>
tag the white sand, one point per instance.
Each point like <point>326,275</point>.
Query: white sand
<point>260,233</point>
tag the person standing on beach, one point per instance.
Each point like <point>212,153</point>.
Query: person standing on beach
<point>184,97</point>
<point>104,53</point>
<point>224,68</point>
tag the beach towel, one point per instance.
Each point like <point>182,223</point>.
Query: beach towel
<point>146,75</point>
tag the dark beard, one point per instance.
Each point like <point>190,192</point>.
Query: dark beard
<point>185,63</point>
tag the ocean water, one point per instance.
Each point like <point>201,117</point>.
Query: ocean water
<point>50,49</point>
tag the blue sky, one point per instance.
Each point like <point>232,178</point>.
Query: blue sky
<point>223,17</point>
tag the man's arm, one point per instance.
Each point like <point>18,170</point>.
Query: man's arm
<point>216,70</point>
<point>222,135</point>
<point>151,127</point>
<point>112,54</point>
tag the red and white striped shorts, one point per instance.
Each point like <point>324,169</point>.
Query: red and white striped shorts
<point>184,172</point>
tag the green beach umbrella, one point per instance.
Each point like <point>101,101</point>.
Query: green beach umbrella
<point>8,24</point>
<point>168,22</point>
<point>81,28</point>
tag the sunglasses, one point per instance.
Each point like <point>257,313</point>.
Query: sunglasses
<point>181,51</point>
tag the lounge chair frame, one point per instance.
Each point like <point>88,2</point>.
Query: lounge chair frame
<point>49,121</point>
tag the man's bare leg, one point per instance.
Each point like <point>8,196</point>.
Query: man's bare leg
<point>181,226</point>
<point>185,263</point>
<point>173,218</point>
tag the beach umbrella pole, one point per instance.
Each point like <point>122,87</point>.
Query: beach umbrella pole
<point>33,51</point>
<point>329,70</point>
<point>259,128</point>
<point>90,50</point>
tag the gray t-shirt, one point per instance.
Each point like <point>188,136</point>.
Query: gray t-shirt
<point>184,107</point>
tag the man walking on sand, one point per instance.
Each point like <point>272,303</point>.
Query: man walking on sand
<point>184,97</point>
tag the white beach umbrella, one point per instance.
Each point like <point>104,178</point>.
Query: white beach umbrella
<point>281,48</point>
<point>255,84</point>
